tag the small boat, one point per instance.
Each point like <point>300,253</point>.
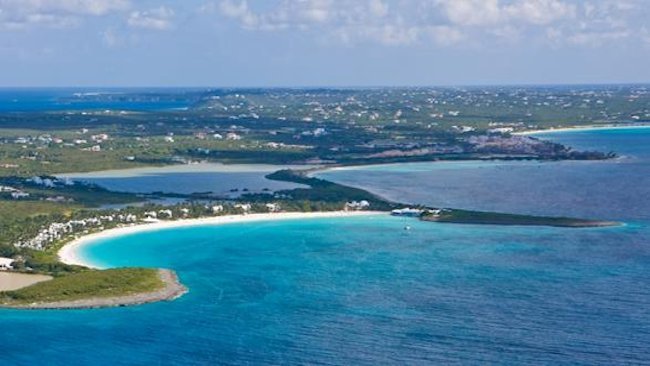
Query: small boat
<point>407,227</point>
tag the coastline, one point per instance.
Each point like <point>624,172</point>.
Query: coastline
<point>584,128</point>
<point>171,290</point>
<point>68,254</point>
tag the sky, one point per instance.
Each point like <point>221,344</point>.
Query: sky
<point>303,43</point>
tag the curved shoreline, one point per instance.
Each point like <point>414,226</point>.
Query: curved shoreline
<point>69,253</point>
<point>171,290</point>
<point>583,128</point>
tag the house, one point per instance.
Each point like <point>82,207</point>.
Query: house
<point>245,207</point>
<point>150,216</point>
<point>18,195</point>
<point>232,136</point>
<point>5,264</point>
<point>411,212</point>
<point>167,213</point>
<point>273,207</point>
<point>7,189</point>
<point>354,205</point>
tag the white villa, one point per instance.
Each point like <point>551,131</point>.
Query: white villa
<point>5,264</point>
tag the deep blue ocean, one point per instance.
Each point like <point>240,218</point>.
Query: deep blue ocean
<point>365,291</point>
<point>60,99</point>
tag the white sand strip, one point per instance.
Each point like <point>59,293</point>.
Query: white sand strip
<point>583,128</point>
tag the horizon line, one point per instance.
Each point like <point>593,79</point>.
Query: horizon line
<point>402,86</point>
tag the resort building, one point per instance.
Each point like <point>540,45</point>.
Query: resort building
<point>357,206</point>
<point>411,212</point>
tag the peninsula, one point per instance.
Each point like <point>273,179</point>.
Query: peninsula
<point>495,218</point>
<point>98,289</point>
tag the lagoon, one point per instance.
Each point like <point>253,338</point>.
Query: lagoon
<point>218,180</point>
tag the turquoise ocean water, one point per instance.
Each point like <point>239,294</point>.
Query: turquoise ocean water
<point>364,291</point>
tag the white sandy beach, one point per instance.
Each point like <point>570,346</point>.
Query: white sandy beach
<point>69,253</point>
<point>582,128</point>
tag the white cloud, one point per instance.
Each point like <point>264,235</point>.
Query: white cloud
<point>473,23</point>
<point>239,11</point>
<point>539,11</point>
<point>596,39</point>
<point>395,22</point>
<point>155,19</point>
<point>471,12</point>
<point>445,22</point>
<point>349,21</point>
<point>18,14</point>
<point>602,23</point>
<point>389,34</point>
<point>378,8</point>
<point>89,7</point>
<point>493,12</point>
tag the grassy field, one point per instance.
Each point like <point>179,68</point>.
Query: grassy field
<point>87,284</point>
<point>17,210</point>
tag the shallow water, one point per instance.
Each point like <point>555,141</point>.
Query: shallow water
<point>216,179</point>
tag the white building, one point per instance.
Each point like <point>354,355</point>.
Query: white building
<point>232,136</point>
<point>7,189</point>
<point>407,212</point>
<point>245,207</point>
<point>273,207</point>
<point>5,264</point>
<point>19,195</point>
<point>354,205</point>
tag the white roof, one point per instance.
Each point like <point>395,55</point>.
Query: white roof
<point>5,261</point>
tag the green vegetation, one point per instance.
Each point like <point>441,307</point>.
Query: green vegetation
<point>86,285</point>
<point>77,194</point>
<point>493,218</point>
<point>19,210</point>
<point>324,191</point>
<point>351,126</point>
